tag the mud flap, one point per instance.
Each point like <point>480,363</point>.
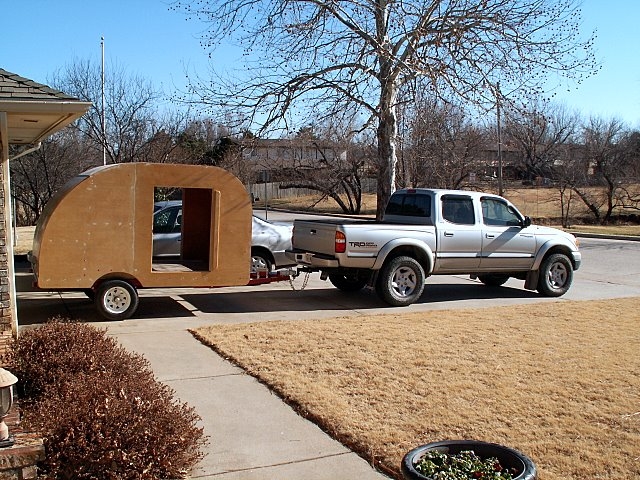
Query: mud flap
<point>531,282</point>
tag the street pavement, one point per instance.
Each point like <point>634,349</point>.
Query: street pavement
<point>252,433</point>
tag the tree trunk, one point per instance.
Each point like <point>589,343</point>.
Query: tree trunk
<point>387,154</point>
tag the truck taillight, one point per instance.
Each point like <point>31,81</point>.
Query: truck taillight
<point>341,242</point>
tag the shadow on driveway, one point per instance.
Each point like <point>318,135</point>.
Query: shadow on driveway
<point>38,309</point>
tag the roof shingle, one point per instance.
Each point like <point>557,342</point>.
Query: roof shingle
<point>14,87</point>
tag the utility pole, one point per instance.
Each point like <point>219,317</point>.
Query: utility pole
<point>497,92</point>
<point>104,134</point>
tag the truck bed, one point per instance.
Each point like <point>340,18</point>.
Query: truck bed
<point>364,238</point>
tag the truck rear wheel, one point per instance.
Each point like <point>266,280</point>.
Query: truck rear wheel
<point>116,299</point>
<point>347,283</point>
<point>556,275</point>
<point>400,282</point>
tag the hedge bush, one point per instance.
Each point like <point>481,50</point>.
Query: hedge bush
<point>99,408</point>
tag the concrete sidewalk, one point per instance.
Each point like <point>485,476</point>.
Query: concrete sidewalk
<point>252,433</point>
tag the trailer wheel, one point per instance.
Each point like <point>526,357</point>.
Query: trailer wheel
<point>400,282</point>
<point>116,299</point>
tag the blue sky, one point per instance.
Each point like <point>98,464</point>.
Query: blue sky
<point>40,37</point>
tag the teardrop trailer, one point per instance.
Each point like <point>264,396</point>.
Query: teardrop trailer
<point>95,235</point>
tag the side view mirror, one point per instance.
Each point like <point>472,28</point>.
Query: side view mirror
<point>526,222</point>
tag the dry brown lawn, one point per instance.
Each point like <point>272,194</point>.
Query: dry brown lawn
<point>23,240</point>
<point>538,203</point>
<point>559,381</point>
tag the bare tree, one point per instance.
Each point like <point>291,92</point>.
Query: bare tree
<point>337,174</point>
<point>37,176</point>
<point>606,159</point>
<point>570,171</point>
<point>443,146</point>
<point>540,131</point>
<point>349,59</point>
<point>131,115</point>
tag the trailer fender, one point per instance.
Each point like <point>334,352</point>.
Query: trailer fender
<point>127,277</point>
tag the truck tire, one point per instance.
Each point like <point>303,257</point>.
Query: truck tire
<point>556,275</point>
<point>400,281</point>
<point>116,299</point>
<point>494,280</point>
<point>347,283</point>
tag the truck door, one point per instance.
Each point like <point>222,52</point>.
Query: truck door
<point>459,235</point>
<point>506,245</point>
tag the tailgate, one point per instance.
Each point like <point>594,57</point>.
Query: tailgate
<point>317,236</point>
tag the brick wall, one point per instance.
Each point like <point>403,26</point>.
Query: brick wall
<point>5,296</point>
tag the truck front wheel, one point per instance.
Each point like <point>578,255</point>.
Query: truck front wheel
<point>400,282</point>
<point>116,299</point>
<point>556,275</point>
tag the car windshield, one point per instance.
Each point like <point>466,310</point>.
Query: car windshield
<point>167,220</point>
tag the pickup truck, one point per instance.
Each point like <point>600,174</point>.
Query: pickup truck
<point>436,232</point>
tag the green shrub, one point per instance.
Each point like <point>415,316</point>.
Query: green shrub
<point>99,408</point>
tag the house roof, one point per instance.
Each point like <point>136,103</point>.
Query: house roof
<point>34,111</point>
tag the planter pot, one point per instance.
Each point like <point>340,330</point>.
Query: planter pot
<point>508,457</point>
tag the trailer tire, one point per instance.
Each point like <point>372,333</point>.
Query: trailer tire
<point>400,282</point>
<point>347,283</point>
<point>116,299</point>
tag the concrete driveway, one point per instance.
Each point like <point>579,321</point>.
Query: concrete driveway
<point>610,269</point>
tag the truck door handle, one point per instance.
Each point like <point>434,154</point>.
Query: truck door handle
<point>448,234</point>
<point>489,235</point>
<point>313,231</point>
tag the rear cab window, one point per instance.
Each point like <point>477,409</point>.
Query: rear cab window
<point>458,209</point>
<point>410,204</point>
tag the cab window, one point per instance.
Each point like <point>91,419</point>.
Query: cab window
<point>497,213</point>
<point>458,209</point>
<point>409,205</point>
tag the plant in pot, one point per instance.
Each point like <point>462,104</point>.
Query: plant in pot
<point>466,460</point>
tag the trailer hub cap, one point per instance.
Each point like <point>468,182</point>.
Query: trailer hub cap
<point>116,300</point>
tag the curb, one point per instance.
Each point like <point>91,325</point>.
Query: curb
<point>629,238</point>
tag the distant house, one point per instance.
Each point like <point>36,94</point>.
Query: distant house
<point>275,157</point>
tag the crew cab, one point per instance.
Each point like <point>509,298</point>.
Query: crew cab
<point>434,232</point>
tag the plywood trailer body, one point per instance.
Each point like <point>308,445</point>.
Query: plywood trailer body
<point>98,229</point>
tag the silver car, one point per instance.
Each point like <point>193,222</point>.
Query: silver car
<point>268,240</point>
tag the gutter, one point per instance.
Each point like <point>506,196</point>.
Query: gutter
<point>27,151</point>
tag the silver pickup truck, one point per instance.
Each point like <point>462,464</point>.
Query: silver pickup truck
<point>435,232</point>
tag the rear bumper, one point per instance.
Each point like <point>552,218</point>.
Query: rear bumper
<point>312,259</point>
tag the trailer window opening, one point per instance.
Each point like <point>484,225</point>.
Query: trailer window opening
<point>181,229</point>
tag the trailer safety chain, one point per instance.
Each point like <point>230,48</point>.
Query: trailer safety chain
<point>304,282</point>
